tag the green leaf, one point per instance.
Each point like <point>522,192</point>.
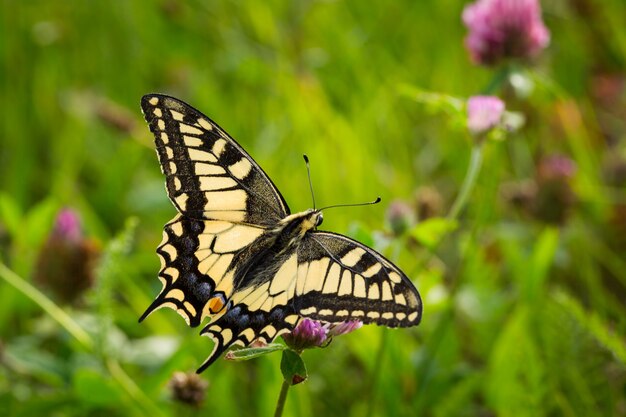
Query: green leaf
<point>540,263</point>
<point>430,232</point>
<point>91,387</point>
<point>253,352</point>
<point>293,368</point>
<point>10,214</point>
<point>594,324</point>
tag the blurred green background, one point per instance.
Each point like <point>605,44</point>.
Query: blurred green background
<point>525,300</point>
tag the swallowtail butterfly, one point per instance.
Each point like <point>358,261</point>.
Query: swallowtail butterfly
<point>236,254</point>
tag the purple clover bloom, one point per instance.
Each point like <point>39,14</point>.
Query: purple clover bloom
<point>344,327</point>
<point>67,226</point>
<point>500,29</point>
<point>307,334</point>
<point>556,167</point>
<point>483,113</point>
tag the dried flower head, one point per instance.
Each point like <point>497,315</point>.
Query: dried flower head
<point>188,388</point>
<point>307,334</point>
<point>501,29</point>
<point>400,217</point>
<point>555,196</point>
<point>65,264</point>
<point>428,202</point>
<point>483,114</point>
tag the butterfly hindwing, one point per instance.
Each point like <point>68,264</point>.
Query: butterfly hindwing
<point>208,174</point>
<point>199,259</point>
<point>341,279</point>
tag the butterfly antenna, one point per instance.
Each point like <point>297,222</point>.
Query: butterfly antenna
<point>378,199</point>
<point>308,171</point>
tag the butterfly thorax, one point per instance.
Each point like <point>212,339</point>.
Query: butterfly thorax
<point>298,224</point>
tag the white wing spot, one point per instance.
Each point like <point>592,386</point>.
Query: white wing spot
<point>161,124</point>
<point>374,292</point>
<point>395,277</point>
<point>181,201</point>
<point>154,101</point>
<point>226,200</point>
<point>172,273</point>
<point>164,137</point>
<point>372,270</point>
<point>218,147</point>
<point>192,141</point>
<point>331,285</point>
<point>177,228</point>
<point>176,115</point>
<point>270,330</point>
<point>345,287</point>
<point>227,335</point>
<point>190,308</point>
<point>359,286</point>
<point>387,295</point>
<point>185,128</point>
<point>205,124</point>
<point>177,184</point>
<point>198,155</point>
<point>309,310</point>
<point>240,169</point>
<point>157,112</point>
<point>216,183</point>
<point>203,168</point>
<point>170,250</point>
<point>176,294</point>
<point>400,299</point>
<point>351,258</point>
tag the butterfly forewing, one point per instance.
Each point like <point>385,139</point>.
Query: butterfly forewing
<point>340,279</point>
<point>209,175</point>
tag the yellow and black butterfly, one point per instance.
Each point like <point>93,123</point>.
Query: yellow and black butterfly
<point>234,252</point>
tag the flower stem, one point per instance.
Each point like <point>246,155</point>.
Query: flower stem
<point>48,306</point>
<point>469,181</point>
<point>378,365</point>
<point>282,397</point>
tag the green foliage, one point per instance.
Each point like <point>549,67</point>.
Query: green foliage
<point>523,278</point>
<point>293,368</point>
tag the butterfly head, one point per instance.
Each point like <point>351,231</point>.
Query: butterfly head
<point>312,219</point>
<point>301,223</point>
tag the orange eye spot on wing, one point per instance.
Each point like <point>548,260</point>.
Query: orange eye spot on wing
<point>216,304</point>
